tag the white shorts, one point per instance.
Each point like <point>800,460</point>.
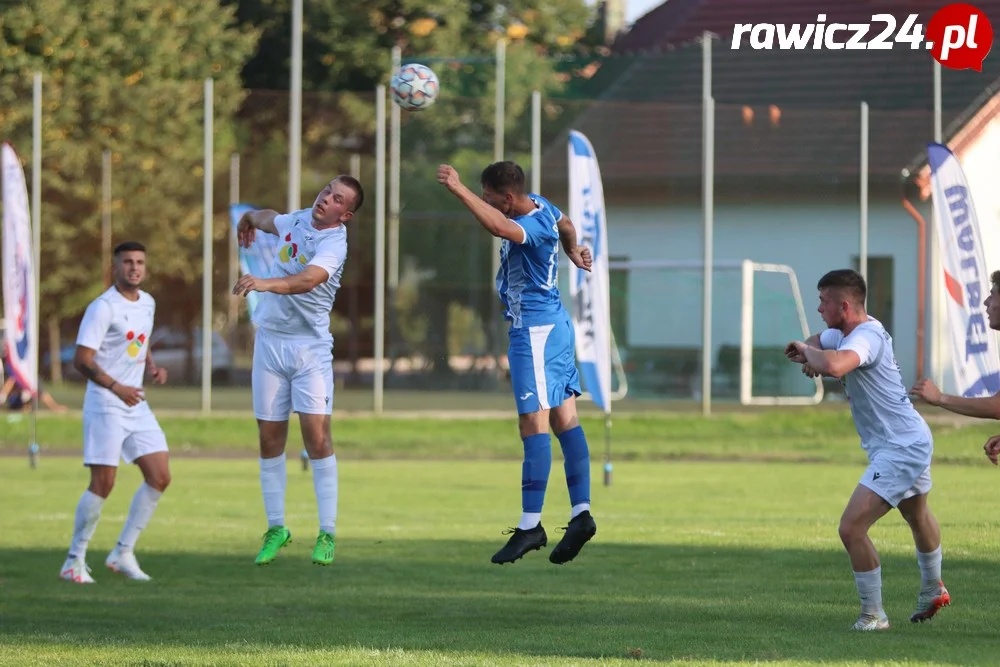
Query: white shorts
<point>896,475</point>
<point>109,436</point>
<point>291,375</point>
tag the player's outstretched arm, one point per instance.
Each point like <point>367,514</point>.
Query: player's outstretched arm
<point>495,222</point>
<point>84,362</point>
<point>299,283</point>
<point>832,363</point>
<point>985,407</point>
<point>246,228</point>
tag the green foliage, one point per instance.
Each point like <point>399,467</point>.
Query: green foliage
<point>124,77</point>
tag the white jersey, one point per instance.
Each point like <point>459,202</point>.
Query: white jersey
<point>119,330</point>
<point>880,405</point>
<point>303,315</point>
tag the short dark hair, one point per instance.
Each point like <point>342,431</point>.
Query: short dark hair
<point>848,280</point>
<point>504,177</point>
<point>995,279</point>
<point>128,246</point>
<point>354,184</point>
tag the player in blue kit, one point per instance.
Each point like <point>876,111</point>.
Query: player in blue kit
<point>542,351</point>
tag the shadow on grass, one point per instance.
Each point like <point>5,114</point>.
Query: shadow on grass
<point>672,602</point>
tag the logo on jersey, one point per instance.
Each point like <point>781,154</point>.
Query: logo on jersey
<point>290,252</point>
<point>135,343</point>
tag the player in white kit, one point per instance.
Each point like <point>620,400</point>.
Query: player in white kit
<point>293,351</point>
<point>857,350</point>
<point>112,352</point>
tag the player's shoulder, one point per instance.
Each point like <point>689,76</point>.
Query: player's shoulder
<point>545,206</point>
<point>103,300</point>
<point>293,218</point>
<point>146,299</point>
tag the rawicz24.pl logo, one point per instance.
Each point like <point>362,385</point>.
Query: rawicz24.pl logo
<point>959,36</point>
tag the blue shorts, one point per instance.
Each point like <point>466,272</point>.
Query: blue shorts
<point>543,366</point>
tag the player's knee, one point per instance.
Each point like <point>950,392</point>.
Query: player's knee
<point>562,421</point>
<point>101,484</point>
<point>533,423</point>
<point>159,480</point>
<point>850,531</point>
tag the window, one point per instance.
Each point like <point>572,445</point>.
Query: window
<point>880,288</point>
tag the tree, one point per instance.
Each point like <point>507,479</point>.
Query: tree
<point>126,77</point>
<point>347,49</point>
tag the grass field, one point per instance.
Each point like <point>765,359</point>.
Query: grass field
<point>694,563</point>
<point>717,544</point>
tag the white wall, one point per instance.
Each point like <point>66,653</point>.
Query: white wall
<point>812,238</point>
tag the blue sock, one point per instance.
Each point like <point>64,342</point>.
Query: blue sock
<point>576,461</point>
<point>535,472</point>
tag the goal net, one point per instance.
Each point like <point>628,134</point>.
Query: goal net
<point>757,308</point>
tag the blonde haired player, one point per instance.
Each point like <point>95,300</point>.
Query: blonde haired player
<point>293,351</point>
<point>857,350</point>
<point>112,352</point>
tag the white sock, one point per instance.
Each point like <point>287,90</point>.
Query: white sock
<point>529,520</point>
<point>88,512</point>
<point>930,569</point>
<point>143,505</point>
<point>325,484</point>
<point>870,590</point>
<point>273,475</point>
<point>578,510</point>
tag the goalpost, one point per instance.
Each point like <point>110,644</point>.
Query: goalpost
<point>659,306</point>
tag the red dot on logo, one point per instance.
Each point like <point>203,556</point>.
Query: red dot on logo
<point>142,338</point>
<point>288,237</point>
<point>130,335</point>
<point>960,36</point>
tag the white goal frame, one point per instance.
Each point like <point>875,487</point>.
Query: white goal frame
<point>747,268</point>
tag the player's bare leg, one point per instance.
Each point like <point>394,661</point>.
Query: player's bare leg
<point>273,475</point>
<point>155,469</point>
<point>88,513</point>
<point>323,461</point>
<point>863,509</point>
<point>529,535</point>
<point>576,461</point>
<point>933,595</point>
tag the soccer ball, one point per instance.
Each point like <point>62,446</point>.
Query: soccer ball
<point>414,87</point>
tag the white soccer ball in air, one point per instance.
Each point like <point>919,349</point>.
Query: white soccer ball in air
<point>414,87</point>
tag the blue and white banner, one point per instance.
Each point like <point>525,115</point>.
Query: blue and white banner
<point>590,291</point>
<point>18,275</point>
<point>975,355</point>
<point>259,257</point>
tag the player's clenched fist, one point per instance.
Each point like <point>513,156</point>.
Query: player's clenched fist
<point>246,233</point>
<point>795,351</point>
<point>448,177</point>
<point>992,448</point>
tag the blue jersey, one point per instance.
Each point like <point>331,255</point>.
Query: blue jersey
<point>528,278</point>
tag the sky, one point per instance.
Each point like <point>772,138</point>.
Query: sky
<point>637,8</point>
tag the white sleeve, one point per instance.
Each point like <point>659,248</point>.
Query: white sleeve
<point>95,325</point>
<point>329,257</point>
<point>283,223</point>
<point>865,343</point>
<point>829,339</point>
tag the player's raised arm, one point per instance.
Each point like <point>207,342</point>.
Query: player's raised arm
<point>495,222</point>
<point>246,228</point>
<point>579,255</point>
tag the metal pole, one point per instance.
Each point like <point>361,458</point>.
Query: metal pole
<point>106,217</point>
<point>863,249</point>
<point>206,255</point>
<point>536,141</point>
<point>498,155</point>
<point>379,247</point>
<point>234,248</point>
<point>934,253</point>
<point>394,173</point>
<point>295,112</point>
<point>708,194</point>
<point>36,213</point>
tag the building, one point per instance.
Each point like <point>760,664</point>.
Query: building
<point>787,165</point>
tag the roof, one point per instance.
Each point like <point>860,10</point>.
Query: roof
<point>780,114</point>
